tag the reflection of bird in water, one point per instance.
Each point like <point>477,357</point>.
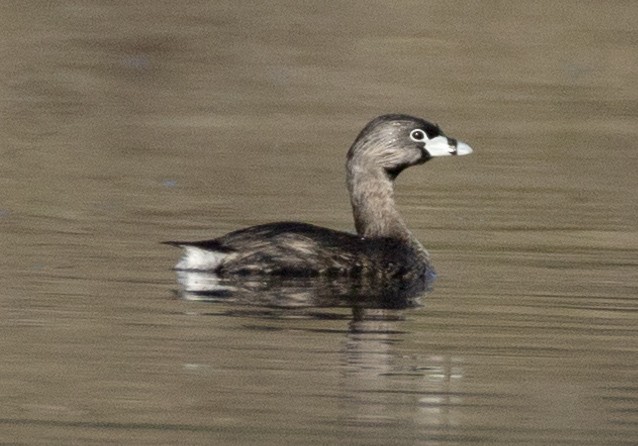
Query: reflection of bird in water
<point>383,250</point>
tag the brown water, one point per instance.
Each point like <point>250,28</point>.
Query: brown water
<point>127,123</point>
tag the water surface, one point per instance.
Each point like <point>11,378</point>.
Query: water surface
<point>125,125</point>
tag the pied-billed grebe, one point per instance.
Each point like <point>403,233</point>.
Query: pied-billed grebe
<point>383,246</point>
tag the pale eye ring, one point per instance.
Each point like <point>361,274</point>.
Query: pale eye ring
<point>418,135</point>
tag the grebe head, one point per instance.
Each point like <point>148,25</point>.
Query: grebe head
<point>395,142</point>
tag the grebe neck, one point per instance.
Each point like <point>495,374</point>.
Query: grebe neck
<point>372,198</point>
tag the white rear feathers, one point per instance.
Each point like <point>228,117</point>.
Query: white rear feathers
<point>198,259</point>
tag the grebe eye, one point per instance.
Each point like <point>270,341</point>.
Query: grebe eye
<point>417,135</point>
